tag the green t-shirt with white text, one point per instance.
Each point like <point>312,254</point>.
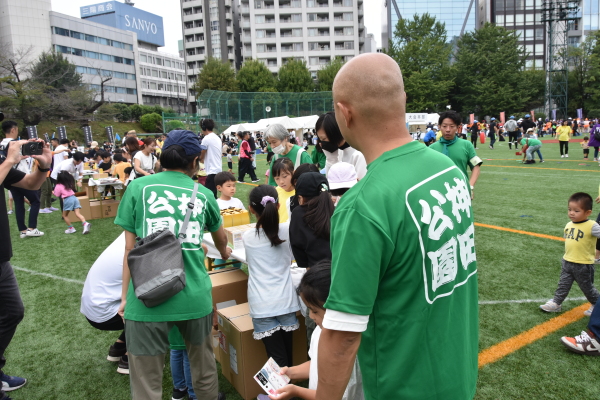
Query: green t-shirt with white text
<point>403,253</point>
<point>159,201</point>
<point>461,152</point>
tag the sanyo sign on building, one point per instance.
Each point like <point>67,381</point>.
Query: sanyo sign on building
<point>148,26</point>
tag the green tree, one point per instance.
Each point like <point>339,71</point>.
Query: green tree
<point>151,122</point>
<point>174,124</point>
<point>215,75</point>
<point>254,76</point>
<point>420,48</point>
<point>294,76</point>
<point>326,75</point>
<point>533,82</point>
<point>136,112</point>
<point>54,70</point>
<point>489,72</point>
<point>583,73</point>
<point>123,112</point>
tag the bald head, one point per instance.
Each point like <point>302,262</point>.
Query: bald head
<point>372,84</point>
<point>370,103</point>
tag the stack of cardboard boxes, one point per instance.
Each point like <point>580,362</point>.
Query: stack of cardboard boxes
<point>92,207</point>
<point>235,233</point>
<point>240,356</point>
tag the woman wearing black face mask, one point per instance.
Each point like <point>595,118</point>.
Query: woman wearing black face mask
<point>335,147</point>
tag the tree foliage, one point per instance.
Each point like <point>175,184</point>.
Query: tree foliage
<point>584,73</point>
<point>420,48</point>
<point>151,122</point>
<point>489,72</point>
<point>254,76</point>
<point>294,76</point>
<point>215,75</point>
<point>326,75</point>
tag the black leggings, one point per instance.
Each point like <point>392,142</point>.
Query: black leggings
<point>474,140</point>
<point>564,146</point>
<point>279,346</point>
<point>113,324</point>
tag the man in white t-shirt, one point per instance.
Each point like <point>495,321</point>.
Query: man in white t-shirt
<point>60,152</point>
<point>101,299</point>
<point>74,166</point>
<point>211,157</point>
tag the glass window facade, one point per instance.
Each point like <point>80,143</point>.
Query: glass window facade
<point>591,15</point>
<point>450,12</point>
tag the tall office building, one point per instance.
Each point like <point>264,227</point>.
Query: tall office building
<point>99,52</point>
<point>208,31</point>
<point>275,31</point>
<point>160,76</point>
<point>25,27</point>
<point>459,15</point>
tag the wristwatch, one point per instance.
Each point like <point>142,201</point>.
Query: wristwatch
<point>43,169</point>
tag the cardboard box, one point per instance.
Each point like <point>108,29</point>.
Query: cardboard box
<point>100,176</point>
<point>91,192</point>
<point>84,201</point>
<point>241,356</point>
<point>229,288</point>
<point>229,284</point>
<point>235,233</point>
<point>238,218</point>
<point>95,209</point>
<point>109,208</point>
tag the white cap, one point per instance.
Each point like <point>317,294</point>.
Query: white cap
<point>94,144</point>
<point>342,175</point>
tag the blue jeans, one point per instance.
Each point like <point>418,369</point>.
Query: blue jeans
<point>534,149</point>
<point>180,370</point>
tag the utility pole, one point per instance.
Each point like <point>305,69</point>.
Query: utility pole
<point>557,15</point>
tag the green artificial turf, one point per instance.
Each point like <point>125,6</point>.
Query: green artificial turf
<point>63,357</point>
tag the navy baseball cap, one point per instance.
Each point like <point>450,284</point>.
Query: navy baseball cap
<point>186,139</point>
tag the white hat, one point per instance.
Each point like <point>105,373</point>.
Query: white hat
<point>94,144</point>
<point>342,175</point>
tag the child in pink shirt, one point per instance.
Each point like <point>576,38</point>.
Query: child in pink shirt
<point>65,188</point>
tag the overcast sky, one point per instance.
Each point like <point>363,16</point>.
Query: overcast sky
<point>172,19</point>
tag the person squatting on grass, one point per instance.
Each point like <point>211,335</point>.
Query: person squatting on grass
<point>148,204</point>
<point>273,303</point>
<point>533,145</point>
<point>11,304</point>
<point>65,189</point>
<point>578,262</point>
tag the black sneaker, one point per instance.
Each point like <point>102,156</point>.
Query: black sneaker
<point>4,396</point>
<point>10,383</point>
<point>179,394</point>
<point>222,396</point>
<point>115,354</point>
<point>123,365</point>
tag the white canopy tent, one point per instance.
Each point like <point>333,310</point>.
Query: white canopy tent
<point>286,121</point>
<point>307,122</point>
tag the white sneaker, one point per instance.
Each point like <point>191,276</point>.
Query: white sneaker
<point>86,228</point>
<point>23,235</point>
<point>71,230</point>
<point>595,159</point>
<point>588,312</point>
<point>45,211</point>
<point>562,156</point>
<point>551,306</point>
<point>566,155</point>
<point>10,212</point>
<point>53,208</point>
<point>29,209</point>
<point>34,233</point>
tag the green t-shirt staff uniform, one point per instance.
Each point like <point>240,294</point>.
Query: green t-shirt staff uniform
<point>158,201</point>
<point>532,142</point>
<point>462,153</point>
<point>403,253</point>
<point>292,154</point>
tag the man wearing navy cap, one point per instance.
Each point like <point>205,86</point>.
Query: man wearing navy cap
<point>527,123</point>
<point>513,132</point>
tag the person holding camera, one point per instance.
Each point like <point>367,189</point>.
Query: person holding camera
<point>11,132</point>
<point>11,309</point>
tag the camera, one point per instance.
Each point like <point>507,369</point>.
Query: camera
<point>32,149</point>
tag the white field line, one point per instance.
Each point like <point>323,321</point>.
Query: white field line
<point>60,278</point>
<point>482,302</point>
<point>486,302</point>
